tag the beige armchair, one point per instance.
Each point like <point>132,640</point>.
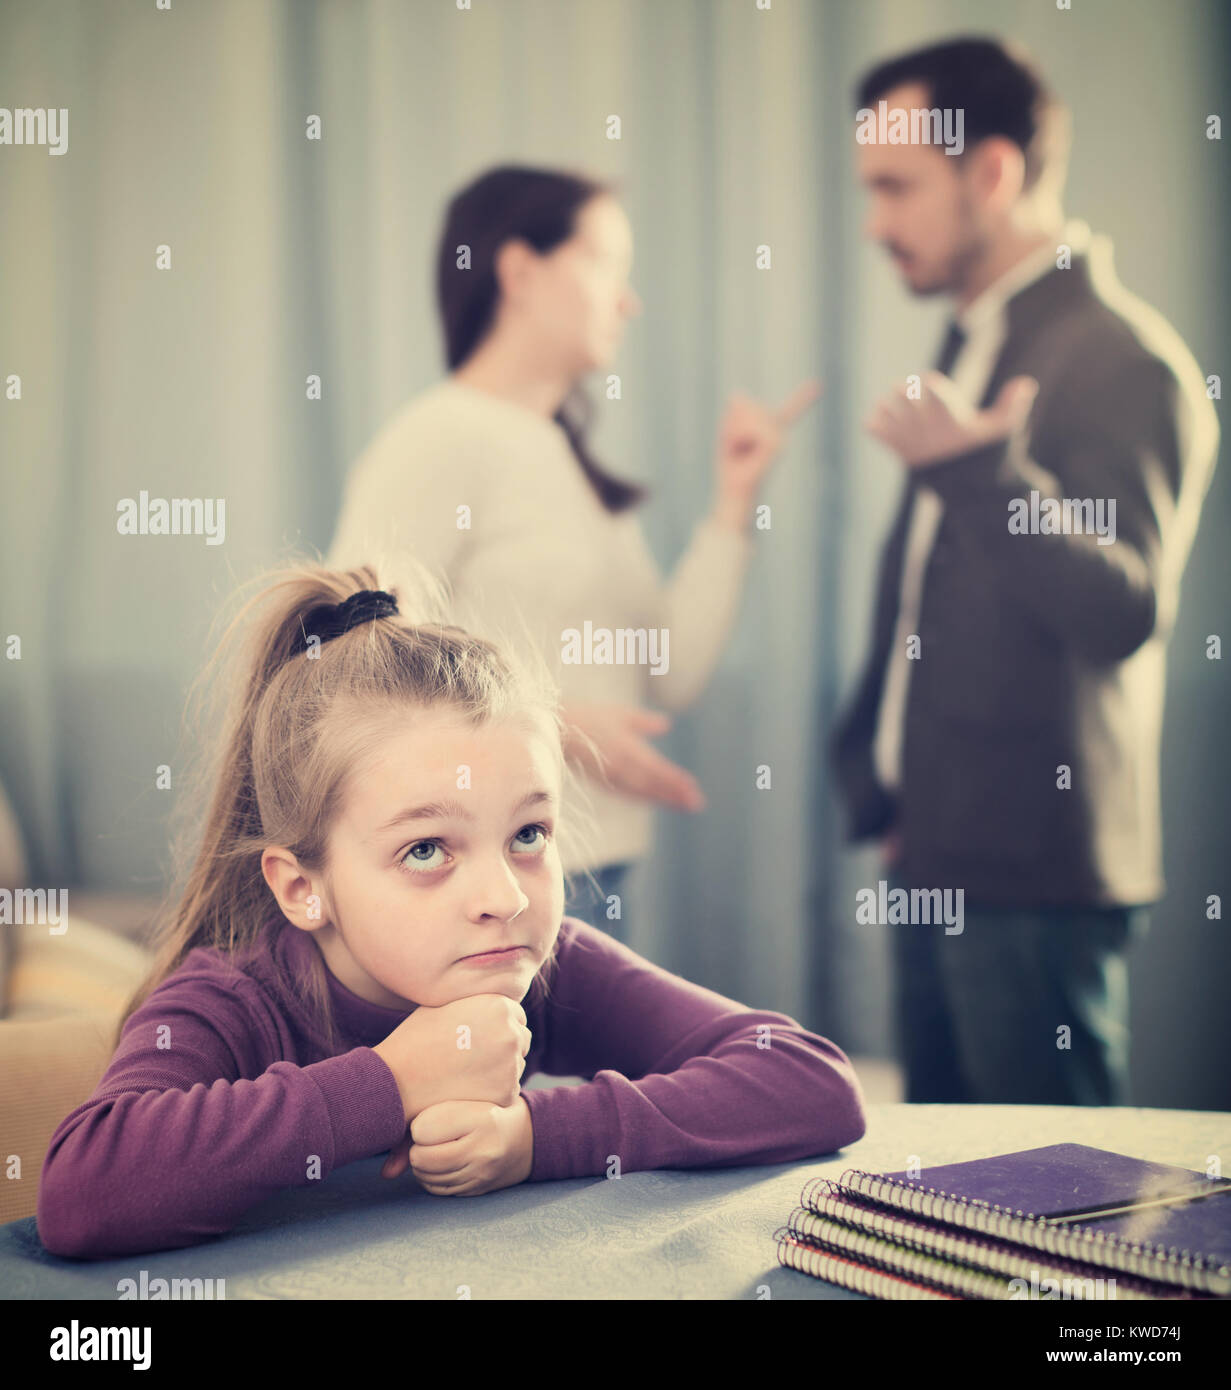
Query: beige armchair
<point>66,993</point>
<point>60,998</point>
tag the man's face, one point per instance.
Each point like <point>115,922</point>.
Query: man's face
<point>922,210</point>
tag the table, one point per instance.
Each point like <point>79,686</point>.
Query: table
<point>668,1234</point>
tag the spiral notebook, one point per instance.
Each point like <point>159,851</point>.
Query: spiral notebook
<point>957,1260</point>
<point>1093,1208</point>
<point>835,1268</point>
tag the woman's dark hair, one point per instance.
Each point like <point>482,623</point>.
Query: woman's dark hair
<point>538,206</point>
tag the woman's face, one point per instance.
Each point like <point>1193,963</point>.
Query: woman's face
<point>445,847</point>
<point>580,297</point>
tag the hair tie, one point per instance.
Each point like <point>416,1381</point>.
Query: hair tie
<point>330,620</point>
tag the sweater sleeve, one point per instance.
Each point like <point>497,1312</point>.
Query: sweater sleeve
<point>677,1075</point>
<point>699,606</point>
<point>176,1143</point>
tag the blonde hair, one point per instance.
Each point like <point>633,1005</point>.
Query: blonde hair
<point>296,722</point>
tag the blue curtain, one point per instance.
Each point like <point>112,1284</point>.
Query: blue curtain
<point>291,257</point>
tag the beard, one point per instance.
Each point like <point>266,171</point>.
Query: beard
<point>971,248</point>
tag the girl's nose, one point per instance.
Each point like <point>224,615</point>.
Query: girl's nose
<point>500,896</point>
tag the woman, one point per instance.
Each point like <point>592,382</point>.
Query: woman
<point>487,478</point>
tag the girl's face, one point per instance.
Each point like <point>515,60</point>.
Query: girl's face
<point>580,297</point>
<point>445,848</point>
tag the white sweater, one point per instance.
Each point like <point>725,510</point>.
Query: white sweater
<point>541,550</point>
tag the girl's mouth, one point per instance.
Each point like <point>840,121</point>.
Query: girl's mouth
<point>495,957</point>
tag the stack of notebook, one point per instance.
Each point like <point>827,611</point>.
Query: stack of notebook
<point>1065,1221</point>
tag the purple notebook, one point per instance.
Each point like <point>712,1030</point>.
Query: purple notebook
<point>1150,1219</point>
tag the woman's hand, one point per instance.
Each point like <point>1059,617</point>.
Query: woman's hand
<point>610,742</point>
<point>749,437</point>
<point>462,1148</point>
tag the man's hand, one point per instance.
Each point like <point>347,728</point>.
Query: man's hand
<point>942,423</point>
<point>462,1148</point>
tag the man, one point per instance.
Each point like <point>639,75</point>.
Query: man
<point>1004,739</point>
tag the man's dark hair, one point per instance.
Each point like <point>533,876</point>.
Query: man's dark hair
<point>998,89</point>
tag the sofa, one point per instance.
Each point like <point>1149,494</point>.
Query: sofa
<point>61,995</point>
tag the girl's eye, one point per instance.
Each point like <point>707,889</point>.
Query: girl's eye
<point>536,844</point>
<point>416,862</point>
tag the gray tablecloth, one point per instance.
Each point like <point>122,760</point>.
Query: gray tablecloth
<point>665,1234</point>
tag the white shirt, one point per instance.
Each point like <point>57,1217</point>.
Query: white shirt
<point>541,555</point>
<point>984,322</point>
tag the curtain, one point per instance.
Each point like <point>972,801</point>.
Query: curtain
<point>292,257</point>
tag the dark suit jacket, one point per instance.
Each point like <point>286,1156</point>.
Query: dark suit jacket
<point>1039,651</point>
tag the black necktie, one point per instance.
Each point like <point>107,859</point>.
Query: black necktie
<point>955,340</point>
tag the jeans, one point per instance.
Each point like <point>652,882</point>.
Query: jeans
<point>592,907</point>
<point>1021,1007</point>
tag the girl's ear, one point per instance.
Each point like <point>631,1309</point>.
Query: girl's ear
<point>300,895</point>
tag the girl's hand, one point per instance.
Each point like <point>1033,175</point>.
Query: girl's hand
<point>462,1148</point>
<point>609,742</point>
<point>749,438</point>
<point>427,1059</point>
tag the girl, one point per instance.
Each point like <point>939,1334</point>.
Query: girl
<point>487,476</point>
<point>371,937</point>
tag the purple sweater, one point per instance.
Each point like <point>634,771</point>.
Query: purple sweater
<point>178,1141</point>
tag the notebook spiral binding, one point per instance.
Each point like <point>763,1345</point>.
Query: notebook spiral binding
<point>836,1269</point>
<point>1141,1258</point>
<point>980,1267</point>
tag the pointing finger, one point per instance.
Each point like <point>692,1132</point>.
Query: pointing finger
<point>796,403</point>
